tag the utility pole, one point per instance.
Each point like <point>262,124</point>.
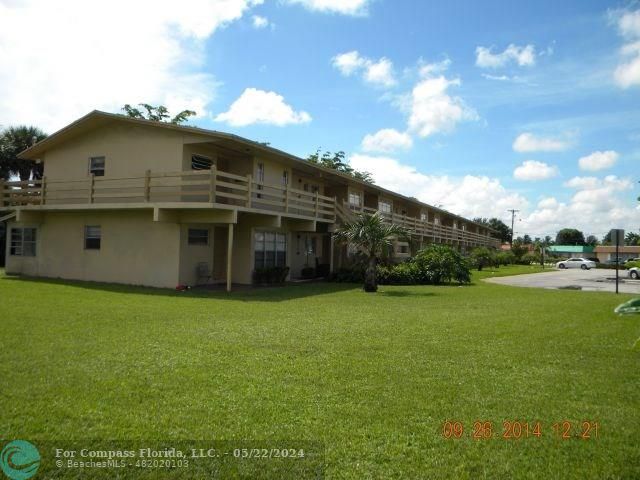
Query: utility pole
<point>513,217</point>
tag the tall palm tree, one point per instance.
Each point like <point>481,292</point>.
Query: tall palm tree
<point>371,234</point>
<point>14,140</point>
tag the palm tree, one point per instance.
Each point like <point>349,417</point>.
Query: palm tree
<point>14,140</point>
<point>371,234</point>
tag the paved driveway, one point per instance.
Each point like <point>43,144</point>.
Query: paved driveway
<point>602,280</point>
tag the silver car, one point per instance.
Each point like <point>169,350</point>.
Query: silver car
<point>582,263</point>
<point>634,272</point>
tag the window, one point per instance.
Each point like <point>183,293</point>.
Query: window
<point>200,162</point>
<point>285,178</point>
<point>23,242</point>
<point>270,249</point>
<point>198,236</point>
<point>260,172</point>
<point>423,217</point>
<point>384,207</point>
<point>96,166</point>
<point>310,245</point>
<point>354,199</point>
<point>403,249</point>
<point>92,237</point>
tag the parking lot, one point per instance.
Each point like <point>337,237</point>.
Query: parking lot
<point>602,280</point>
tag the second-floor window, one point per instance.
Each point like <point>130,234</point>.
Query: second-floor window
<point>354,199</point>
<point>384,207</point>
<point>423,217</point>
<point>200,162</point>
<point>285,178</point>
<point>96,166</point>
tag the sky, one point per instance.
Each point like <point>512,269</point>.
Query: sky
<point>477,107</point>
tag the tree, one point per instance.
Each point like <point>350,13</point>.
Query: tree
<point>14,140</point>
<point>591,240</point>
<point>157,114</point>
<point>372,235</point>
<point>527,240</point>
<point>503,229</point>
<point>632,239</point>
<point>336,161</point>
<point>570,236</point>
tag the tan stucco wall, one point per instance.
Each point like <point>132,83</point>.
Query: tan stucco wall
<point>134,249</point>
<point>130,150</point>
<point>191,255</point>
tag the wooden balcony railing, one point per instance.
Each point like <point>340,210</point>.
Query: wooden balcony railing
<point>209,186</point>
<point>424,228</point>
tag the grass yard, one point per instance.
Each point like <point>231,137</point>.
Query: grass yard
<point>373,377</point>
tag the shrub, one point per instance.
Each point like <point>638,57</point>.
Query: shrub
<point>439,264</point>
<point>481,257</point>
<point>401,274</point>
<point>270,275</point>
<point>322,270</point>
<point>635,263</point>
<point>308,272</point>
<point>505,258</point>
<point>529,258</point>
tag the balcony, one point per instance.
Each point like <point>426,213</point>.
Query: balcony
<point>180,189</point>
<point>428,230</point>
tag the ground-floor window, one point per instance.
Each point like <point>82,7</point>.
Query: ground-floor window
<point>92,237</point>
<point>270,249</point>
<point>23,242</point>
<point>198,236</point>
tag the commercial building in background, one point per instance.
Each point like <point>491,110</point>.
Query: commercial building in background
<point>568,251</point>
<point>139,202</point>
<point>607,253</point>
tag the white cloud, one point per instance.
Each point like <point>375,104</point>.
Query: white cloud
<point>532,170</point>
<point>627,74</point>
<point>260,22</point>
<point>433,110</point>
<point>73,59</point>
<point>597,206</point>
<point>386,140</point>
<point>436,68</point>
<point>598,161</point>
<point>379,73</point>
<point>528,142</point>
<point>594,210</point>
<point>470,196</point>
<point>259,106</point>
<point>345,7</point>
<point>523,56</point>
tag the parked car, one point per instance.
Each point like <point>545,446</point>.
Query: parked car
<point>582,263</point>
<point>634,272</point>
<point>632,260</point>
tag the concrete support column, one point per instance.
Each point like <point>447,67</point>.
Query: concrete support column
<point>229,256</point>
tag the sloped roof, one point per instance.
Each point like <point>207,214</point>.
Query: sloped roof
<point>97,118</point>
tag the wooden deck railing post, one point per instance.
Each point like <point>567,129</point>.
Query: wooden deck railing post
<point>147,185</point>
<point>249,189</point>
<point>335,209</point>
<point>317,204</point>
<point>212,184</point>
<point>43,189</point>
<point>92,184</point>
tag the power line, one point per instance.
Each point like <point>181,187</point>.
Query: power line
<point>513,217</point>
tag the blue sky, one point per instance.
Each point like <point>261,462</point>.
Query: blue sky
<point>477,106</point>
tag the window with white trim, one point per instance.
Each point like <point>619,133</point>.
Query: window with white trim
<point>423,217</point>
<point>23,242</point>
<point>384,206</point>
<point>198,236</point>
<point>285,178</point>
<point>96,166</point>
<point>270,249</point>
<point>92,237</point>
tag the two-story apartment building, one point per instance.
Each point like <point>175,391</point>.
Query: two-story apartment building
<point>138,202</point>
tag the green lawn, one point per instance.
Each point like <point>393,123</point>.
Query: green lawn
<point>371,377</point>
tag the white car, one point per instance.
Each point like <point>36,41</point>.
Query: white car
<point>634,272</point>
<point>582,263</point>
